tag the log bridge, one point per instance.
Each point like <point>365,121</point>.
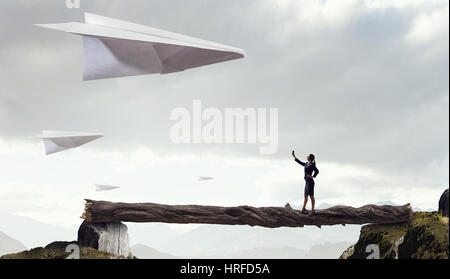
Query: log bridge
<point>269,217</point>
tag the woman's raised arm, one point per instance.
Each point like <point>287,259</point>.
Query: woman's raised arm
<point>297,160</point>
<point>300,162</point>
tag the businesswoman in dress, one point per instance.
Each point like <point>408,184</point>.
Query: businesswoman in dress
<point>311,173</point>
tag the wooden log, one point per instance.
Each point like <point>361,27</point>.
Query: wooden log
<point>270,217</point>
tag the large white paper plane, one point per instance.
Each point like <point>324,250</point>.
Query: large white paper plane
<point>115,48</point>
<point>56,141</point>
<point>100,187</point>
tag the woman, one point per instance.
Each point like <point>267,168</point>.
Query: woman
<point>311,173</point>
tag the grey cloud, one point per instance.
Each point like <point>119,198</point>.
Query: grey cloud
<point>356,92</point>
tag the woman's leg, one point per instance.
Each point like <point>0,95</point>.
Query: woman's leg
<point>311,195</point>
<point>305,202</point>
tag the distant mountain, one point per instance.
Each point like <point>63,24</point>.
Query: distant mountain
<point>160,234</point>
<point>219,240</point>
<point>320,251</point>
<point>20,227</point>
<point>327,250</point>
<point>268,253</point>
<point>9,245</point>
<point>144,252</point>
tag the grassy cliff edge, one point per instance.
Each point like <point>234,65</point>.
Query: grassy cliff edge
<point>57,250</point>
<point>426,237</point>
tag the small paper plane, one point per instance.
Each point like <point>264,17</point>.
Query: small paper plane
<point>56,141</point>
<point>205,178</point>
<point>100,187</point>
<point>115,48</point>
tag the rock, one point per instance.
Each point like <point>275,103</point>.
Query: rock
<point>111,237</point>
<point>443,204</point>
<point>396,245</point>
<point>384,236</point>
<point>347,253</point>
<point>426,237</point>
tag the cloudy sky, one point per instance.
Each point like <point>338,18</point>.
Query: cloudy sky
<point>361,84</point>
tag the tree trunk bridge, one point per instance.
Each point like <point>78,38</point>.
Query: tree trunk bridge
<point>269,217</point>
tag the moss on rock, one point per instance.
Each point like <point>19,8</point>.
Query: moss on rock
<point>57,250</point>
<point>385,236</point>
<point>426,237</point>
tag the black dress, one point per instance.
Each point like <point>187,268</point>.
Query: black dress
<point>310,168</point>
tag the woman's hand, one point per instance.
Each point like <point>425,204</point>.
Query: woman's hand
<point>293,154</point>
<point>310,176</point>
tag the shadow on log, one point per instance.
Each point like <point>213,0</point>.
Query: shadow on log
<point>269,217</point>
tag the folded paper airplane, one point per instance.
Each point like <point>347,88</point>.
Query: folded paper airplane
<point>99,187</point>
<point>56,141</point>
<point>205,178</point>
<point>115,48</point>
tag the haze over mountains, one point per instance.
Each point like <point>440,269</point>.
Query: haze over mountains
<point>33,233</point>
<point>144,252</point>
<point>323,251</point>
<point>9,245</point>
<point>219,240</point>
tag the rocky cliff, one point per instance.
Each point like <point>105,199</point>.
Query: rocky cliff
<point>443,204</point>
<point>425,237</point>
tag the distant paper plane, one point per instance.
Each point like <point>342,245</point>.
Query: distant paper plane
<point>56,141</point>
<point>205,178</point>
<point>115,48</point>
<point>99,187</point>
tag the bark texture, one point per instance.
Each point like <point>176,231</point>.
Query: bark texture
<point>110,237</point>
<point>270,217</point>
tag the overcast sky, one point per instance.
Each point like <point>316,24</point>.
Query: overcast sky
<point>361,84</point>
